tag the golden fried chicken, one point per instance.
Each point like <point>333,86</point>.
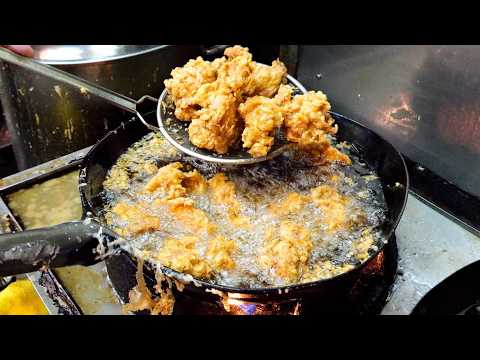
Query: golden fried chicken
<point>333,205</point>
<point>262,116</point>
<point>265,80</point>
<point>216,126</point>
<point>287,250</point>
<point>284,96</point>
<point>293,203</point>
<point>235,73</point>
<point>222,191</point>
<point>237,51</point>
<point>219,253</point>
<point>182,255</point>
<point>195,220</point>
<point>173,183</point>
<point>248,77</point>
<point>137,220</point>
<point>168,180</point>
<point>185,82</point>
<point>307,122</point>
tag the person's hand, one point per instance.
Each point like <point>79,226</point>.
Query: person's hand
<point>25,50</point>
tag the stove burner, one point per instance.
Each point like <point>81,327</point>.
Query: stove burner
<point>368,295</point>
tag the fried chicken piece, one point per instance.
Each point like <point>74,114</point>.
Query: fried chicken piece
<point>223,192</point>
<point>333,206</point>
<point>219,253</point>
<point>235,72</point>
<point>284,96</point>
<point>293,203</point>
<point>186,81</point>
<point>194,182</point>
<point>182,255</point>
<point>262,116</point>
<point>194,219</point>
<point>168,180</point>
<point>216,126</point>
<point>137,221</point>
<point>308,122</point>
<point>265,80</point>
<point>242,74</point>
<point>287,253</point>
<point>175,183</point>
<point>237,51</point>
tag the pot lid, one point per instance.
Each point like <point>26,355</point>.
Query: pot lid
<point>78,54</point>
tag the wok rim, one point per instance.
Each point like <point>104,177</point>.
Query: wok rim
<point>279,290</point>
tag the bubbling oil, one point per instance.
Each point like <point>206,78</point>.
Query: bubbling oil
<point>258,188</point>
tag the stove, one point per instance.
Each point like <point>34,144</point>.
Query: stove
<point>428,247</point>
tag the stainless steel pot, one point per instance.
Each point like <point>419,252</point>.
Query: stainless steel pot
<point>48,119</point>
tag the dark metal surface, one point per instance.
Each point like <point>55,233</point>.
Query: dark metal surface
<point>459,294</point>
<point>424,99</point>
<point>8,164</point>
<point>54,296</point>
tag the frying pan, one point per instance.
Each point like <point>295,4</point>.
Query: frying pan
<point>89,241</point>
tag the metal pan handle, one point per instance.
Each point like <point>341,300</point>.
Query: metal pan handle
<point>112,97</point>
<point>73,243</point>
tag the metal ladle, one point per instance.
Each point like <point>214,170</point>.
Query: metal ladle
<point>174,130</point>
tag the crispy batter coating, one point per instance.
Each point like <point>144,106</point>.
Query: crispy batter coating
<point>182,255</point>
<point>194,219</point>
<point>308,122</point>
<point>265,80</point>
<point>235,73</point>
<point>209,93</point>
<point>222,191</point>
<point>333,205</point>
<point>292,203</point>
<point>216,126</point>
<point>138,222</point>
<point>287,253</point>
<point>185,82</point>
<point>174,183</point>
<point>262,116</point>
<point>284,96</point>
<point>168,180</point>
<point>219,254</point>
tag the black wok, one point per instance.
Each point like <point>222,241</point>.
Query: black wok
<point>89,241</point>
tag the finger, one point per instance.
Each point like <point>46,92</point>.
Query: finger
<point>25,50</point>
